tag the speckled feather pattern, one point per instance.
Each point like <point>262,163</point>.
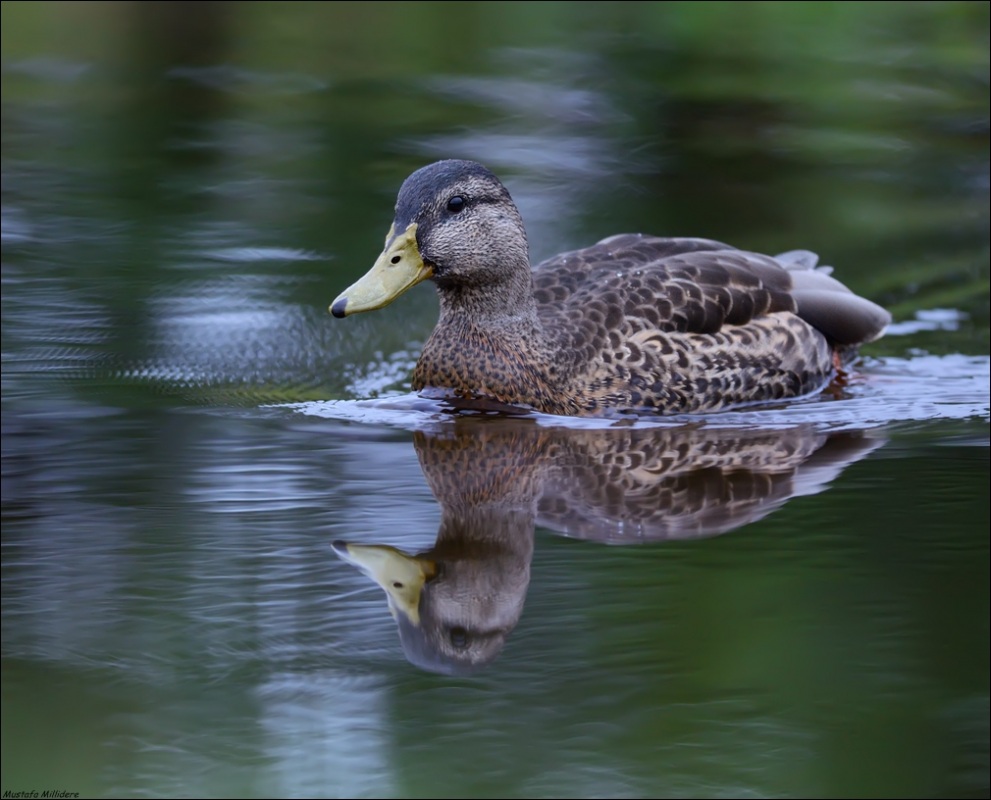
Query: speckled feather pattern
<point>620,484</point>
<point>644,323</point>
<point>662,325</point>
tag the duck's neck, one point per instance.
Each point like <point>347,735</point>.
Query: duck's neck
<point>507,308</point>
<point>488,343</point>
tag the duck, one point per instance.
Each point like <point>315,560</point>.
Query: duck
<point>634,323</point>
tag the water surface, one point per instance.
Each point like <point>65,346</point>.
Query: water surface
<point>787,600</point>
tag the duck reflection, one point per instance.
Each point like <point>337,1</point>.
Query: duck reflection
<point>496,479</point>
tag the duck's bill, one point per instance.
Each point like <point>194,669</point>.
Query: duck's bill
<point>400,267</point>
<point>402,576</point>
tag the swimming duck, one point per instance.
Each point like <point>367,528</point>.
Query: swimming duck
<point>634,322</point>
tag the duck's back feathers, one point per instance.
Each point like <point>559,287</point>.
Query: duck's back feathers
<point>699,285</point>
<point>695,324</point>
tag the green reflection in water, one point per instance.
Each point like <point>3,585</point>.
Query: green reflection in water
<point>185,190</point>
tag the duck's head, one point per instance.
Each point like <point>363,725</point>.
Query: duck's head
<point>456,224</point>
<point>454,606</point>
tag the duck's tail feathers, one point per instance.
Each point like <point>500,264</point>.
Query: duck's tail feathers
<point>828,305</point>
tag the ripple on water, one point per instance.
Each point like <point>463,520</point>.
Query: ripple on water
<point>916,389</point>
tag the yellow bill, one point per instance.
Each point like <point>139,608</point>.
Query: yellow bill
<point>399,268</point>
<point>402,576</point>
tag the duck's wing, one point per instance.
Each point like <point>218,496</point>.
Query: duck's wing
<point>628,485</point>
<point>697,286</point>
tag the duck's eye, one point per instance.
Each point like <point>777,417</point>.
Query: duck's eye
<point>459,638</point>
<point>455,204</point>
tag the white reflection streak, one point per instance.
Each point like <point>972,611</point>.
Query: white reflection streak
<point>328,736</point>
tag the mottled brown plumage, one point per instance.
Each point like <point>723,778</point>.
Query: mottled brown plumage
<point>457,601</point>
<point>634,322</point>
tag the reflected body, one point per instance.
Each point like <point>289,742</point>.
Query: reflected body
<point>634,322</point>
<point>495,480</point>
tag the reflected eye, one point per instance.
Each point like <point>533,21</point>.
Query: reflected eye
<point>459,638</point>
<point>455,204</point>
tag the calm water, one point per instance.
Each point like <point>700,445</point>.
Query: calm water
<point>788,601</point>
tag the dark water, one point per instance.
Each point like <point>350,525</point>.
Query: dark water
<point>788,601</point>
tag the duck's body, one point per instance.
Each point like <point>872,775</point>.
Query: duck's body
<point>633,322</point>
